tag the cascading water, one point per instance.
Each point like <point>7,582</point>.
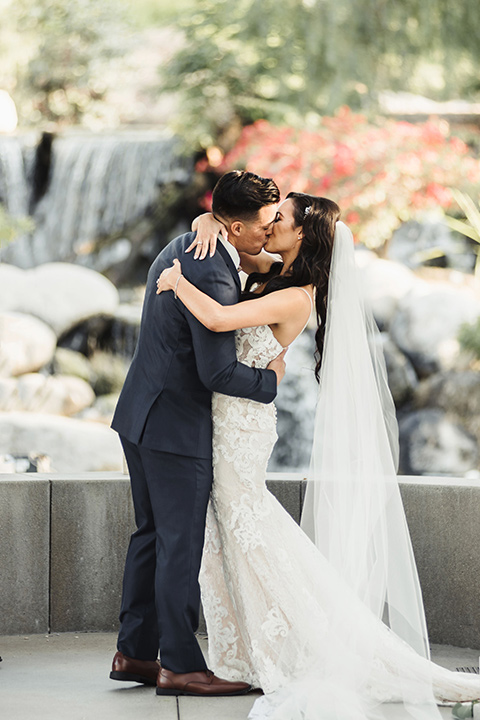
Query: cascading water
<point>14,189</point>
<point>295,402</point>
<point>97,186</point>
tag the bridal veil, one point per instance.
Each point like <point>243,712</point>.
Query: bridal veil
<point>353,512</point>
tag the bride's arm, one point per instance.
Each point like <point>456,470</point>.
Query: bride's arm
<point>208,229</point>
<point>260,263</point>
<point>275,308</point>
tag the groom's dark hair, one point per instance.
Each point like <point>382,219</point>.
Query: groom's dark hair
<point>240,195</point>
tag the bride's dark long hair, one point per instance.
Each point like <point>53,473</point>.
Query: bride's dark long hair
<point>312,264</point>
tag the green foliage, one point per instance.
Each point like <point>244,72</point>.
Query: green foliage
<point>68,43</point>
<point>294,60</point>
<point>11,227</point>
<point>471,225</point>
<point>469,337</point>
<point>148,13</point>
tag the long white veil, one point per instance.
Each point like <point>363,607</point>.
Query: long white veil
<point>353,512</point>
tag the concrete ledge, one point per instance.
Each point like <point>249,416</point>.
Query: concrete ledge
<point>92,521</point>
<point>289,491</point>
<point>444,523</point>
<point>24,563</point>
<point>65,539</point>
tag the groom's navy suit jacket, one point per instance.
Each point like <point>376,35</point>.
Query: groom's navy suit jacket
<point>165,403</point>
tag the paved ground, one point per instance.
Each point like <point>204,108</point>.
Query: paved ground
<point>65,677</point>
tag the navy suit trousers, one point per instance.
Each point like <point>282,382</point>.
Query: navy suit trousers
<point>161,594</point>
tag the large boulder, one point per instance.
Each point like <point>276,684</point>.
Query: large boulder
<point>73,446</point>
<point>26,344</point>
<point>102,409</point>
<point>385,283</point>
<point>295,403</point>
<point>13,286</point>
<point>426,324</point>
<point>431,444</point>
<point>416,243</point>
<point>402,379</point>
<point>70,362</point>
<point>363,256</point>
<point>59,395</point>
<point>456,393</point>
<point>109,372</point>
<point>60,294</point>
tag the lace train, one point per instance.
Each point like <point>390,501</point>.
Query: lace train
<point>268,594</point>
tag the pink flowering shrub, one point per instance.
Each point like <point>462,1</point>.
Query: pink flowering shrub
<point>380,175</point>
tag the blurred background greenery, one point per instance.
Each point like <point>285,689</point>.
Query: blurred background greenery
<point>232,62</point>
<point>211,70</point>
<point>116,119</point>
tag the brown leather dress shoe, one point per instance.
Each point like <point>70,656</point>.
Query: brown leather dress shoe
<point>202,683</point>
<point>130,670</point>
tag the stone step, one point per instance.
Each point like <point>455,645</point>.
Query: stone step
<point>65,539</point>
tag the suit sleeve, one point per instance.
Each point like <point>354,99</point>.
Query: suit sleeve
<point>215,353</point>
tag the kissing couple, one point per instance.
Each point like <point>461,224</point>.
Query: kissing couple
<point>327,619</point>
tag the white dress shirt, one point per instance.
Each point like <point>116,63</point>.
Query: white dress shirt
<point>232,251</point>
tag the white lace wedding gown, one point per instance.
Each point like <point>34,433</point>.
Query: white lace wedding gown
<point>268,592</point>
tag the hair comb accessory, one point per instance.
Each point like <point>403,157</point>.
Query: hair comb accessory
<point>307,209</point>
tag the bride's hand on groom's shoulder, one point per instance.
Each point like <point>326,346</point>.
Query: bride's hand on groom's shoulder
<point>169,277</point>
<point>208,230</point>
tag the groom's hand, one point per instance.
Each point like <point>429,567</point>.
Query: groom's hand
<point>278,366</point>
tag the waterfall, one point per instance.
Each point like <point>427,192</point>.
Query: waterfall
<point>14,190</point>
<point>296,402</point>
<point>97,186</point>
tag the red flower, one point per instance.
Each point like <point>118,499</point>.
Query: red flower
<point>440,194</point>
<point>205,201</point>
<point>378,174</point>
<point>352,218</point>
<point>202,165</point>
<point>343,161</point>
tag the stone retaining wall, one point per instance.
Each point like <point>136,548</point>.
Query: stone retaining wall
<point>64,540</point>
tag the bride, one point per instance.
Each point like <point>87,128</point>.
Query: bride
<point>327,619</point>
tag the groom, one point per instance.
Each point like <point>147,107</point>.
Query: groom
<point>163,417</point>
